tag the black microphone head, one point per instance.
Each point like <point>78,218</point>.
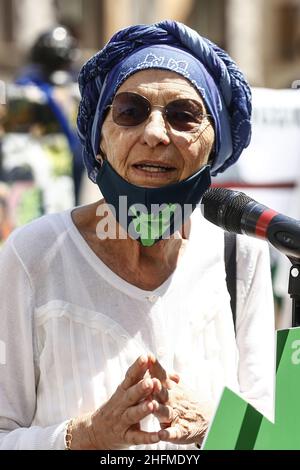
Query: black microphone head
<point>225,208</point>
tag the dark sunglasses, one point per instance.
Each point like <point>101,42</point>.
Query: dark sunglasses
<point>131,109</point>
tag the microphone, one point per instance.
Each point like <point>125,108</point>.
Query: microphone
<point>236,212</point>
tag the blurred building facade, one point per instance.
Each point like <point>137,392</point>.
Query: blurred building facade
<point>263,36</point>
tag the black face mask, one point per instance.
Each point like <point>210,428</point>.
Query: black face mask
<point>151,214</point>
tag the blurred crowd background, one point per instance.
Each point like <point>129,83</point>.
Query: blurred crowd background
<point>43,45</point>
<point>263,36</point>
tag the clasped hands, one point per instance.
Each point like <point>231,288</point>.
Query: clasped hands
<point>146,389</point>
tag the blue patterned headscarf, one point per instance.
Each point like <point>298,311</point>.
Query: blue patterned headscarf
<point>173,46</point>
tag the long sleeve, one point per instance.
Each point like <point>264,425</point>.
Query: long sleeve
<point>255,325</point>
<point>18,375</point>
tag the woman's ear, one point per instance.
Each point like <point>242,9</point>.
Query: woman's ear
<point>100,158</point>
<point>101,155</point>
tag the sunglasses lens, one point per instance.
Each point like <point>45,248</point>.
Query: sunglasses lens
<point>130,109</point>
<point>184,115</point>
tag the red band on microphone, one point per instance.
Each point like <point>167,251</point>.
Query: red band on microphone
<point>263,222</point>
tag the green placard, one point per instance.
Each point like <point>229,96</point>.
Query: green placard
<point>239,426</point>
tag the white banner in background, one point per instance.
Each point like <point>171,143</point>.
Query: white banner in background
<point>273,157</point>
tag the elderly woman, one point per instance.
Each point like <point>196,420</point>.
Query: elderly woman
<point>115,316</point>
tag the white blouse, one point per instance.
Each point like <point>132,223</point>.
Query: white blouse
<point>70,327</point>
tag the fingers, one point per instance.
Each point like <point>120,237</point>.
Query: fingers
<point>132,402</point>
<point>136,413</point>
<point>157,386</point>
<point>164,413</point>
<point>134,437</point>
<point>175,377</point>
<point>162,396</point>
<point>157,370</point>
<point>138,383</point>
<point>135,372</point>
<point>138,392</point>
<point>167,380</point>
<point>171,434</point>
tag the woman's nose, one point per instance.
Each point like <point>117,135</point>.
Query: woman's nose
<point>155,131</point>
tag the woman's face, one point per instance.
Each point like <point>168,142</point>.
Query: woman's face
<point>151,154</point>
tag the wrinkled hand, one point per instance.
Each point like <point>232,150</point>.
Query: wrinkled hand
<point>116,424</point>
<point>183,420</point>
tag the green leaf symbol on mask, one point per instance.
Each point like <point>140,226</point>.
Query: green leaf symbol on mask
<point>152,226</point>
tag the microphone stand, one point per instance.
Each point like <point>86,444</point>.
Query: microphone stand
<point>294,290</point>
